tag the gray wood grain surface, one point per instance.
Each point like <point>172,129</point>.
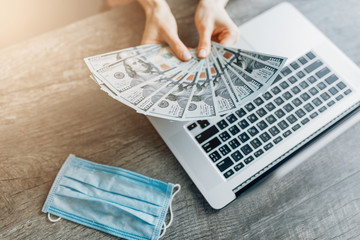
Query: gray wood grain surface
<point>50,108</point>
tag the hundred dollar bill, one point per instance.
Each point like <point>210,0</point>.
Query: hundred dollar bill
<point>272,60</point>
<point>154,97</point>
<point>97,62</point>
<point>202,101</point>
<point>224,98</point>
<point>173,104</point>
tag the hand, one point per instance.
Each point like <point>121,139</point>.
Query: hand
<point>214,24</point>
<point>160,27</point>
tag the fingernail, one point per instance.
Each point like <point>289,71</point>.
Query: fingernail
<point>186,55</point>
<point>202,53</point>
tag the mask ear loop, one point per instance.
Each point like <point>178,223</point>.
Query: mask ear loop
<point>165,226</point>
<point>53,220</point>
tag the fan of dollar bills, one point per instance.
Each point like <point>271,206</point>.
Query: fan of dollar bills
<point>150,79</point>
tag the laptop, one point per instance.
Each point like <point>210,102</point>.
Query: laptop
<point>317,88</point>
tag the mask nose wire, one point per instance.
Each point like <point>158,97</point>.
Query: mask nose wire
<point>165,226</point>
<point>51,219</point>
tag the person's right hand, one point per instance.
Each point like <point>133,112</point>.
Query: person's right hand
<point>160,27</point>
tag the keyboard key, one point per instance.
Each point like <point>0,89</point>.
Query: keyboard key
<point>224,150</point>
<point>291,118</point>
<point>243,124</point>
<point>241,112</point>
<point>203,123</point>
<point>228,173</point>
<point>303,60</point>
<point>276,90</point>
<point>212,144</point>
<point>246,149</point>
<point>287,133</point>
<point>316,102</point>
<point>305,121</point>
<point>314,115</point>
<point>280,113</point>
<point>310,55</point>
<point>270,119</point>
<point>274,131</point>
<point>338,98</point>
<point>268,146</point>
<point>282,125</point>
<point>252,118</point>
<point>237,156</point>
<point>284,85</point>
<point>234,130</point>
<point>277,140</point>
<point>258,153</point>
<point>270,106</point>
<point>286,71</point>
<point>278,78</point>
<point>308,107</point>
<point>279,101</point>
<point>292,79</point>
<point>202,137</point>
<point>287,95</point>
<point>330,103</point>
<point>224,136</point>
<point>249,107</point>
<point>303,84</point>
<point>215,156</point>
<point>322,72</point>
<point>323,108</point>
<point>312,79</point>
<point>231,118</point>
<point>333,91</point>
<point>249,159</point>
<point>294,65</point>
<point>244,137</point>
<point>261,125</point>
<point>300,113</point>
<point>192,126</point>
<point>288,107</point>
<point>300,74</point>
<point>295,90</point>
<point>234,143</point>
<point>296,127</point>
<point>265,137</point>
<point>255,143</point>
<point>305,96</point>
<point>330,80</point>
<point>297,102</point>
<point>341,85</point>
<point>253,131</point>
<point>313,66</point>
<point>258,101</point>
<point>267,95</point>
<point>313,91</point>
<point>325,96</point>
<point>239,166</point>
<point>224,164</point>
<point>261,112</point>
<point>321,85</point>
<point>347,92</point>
<point>222,124</point>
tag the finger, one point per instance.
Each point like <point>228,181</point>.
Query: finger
<point>204,45</point>
<point>230,37</point>
<point>178,47</point>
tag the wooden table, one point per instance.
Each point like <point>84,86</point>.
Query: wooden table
<point>50,108</point>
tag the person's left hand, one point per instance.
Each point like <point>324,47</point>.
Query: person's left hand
<point>214,24</point>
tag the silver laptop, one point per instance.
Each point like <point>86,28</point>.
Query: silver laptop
<point>318,87</point>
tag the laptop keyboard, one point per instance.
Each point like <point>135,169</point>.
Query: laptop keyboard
<point>302,92</point>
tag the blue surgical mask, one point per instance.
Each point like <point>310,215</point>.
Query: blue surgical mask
<point>110,199</point>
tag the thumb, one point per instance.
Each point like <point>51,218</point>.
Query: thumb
<point>178,47</point>
<point>204,42</point>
